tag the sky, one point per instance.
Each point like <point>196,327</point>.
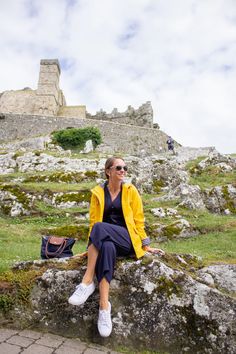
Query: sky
<point>178,54</point>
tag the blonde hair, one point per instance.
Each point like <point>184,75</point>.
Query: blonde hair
<point>109,163</point>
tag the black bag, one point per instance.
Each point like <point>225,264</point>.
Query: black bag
<point>56,247</point>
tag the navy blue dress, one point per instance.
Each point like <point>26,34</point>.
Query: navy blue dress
<point>110,237</point>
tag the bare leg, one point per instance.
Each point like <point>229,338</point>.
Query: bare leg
<point>92,259</point>
<point>104,287</point>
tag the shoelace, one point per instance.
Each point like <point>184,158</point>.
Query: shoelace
<point>80,290</point>
<point>104,317</point>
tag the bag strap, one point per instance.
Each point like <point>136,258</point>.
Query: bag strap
<point>57,252</point>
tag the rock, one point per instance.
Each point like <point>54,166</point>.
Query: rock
<point>154,306</point>
<point>223,276</point>
<point>223,162</point>
<point>88,147</point>
<point>189,195</point>
<point>221,199</point>
<point>15,202</point>
<point>176,230</point>
<point>7,163</point>
<point>162,213</point>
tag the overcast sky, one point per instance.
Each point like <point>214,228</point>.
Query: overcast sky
<point>178,54</point>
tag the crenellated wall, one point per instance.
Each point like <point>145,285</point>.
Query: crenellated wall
<point>143,116</point>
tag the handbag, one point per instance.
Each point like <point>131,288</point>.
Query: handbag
<point>56,247</point>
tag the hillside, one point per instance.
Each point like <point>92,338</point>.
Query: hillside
<point>189,202</point>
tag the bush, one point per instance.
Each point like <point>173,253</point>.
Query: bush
<point>76,138</point>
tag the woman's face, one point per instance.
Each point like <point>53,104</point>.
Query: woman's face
<point>117,171</point>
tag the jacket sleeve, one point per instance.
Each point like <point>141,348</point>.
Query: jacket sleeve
<point>93,211</point>
<point>138,215</point>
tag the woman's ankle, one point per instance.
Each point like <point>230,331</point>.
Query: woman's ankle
<point>87,280</point>
<point>103,304</point>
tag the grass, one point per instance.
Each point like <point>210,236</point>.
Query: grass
<point>211,176</point>
<point>57,187</point>
<point>21,240</point>
<point>212,247</point>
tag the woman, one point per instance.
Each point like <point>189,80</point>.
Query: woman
<point>116,229</point>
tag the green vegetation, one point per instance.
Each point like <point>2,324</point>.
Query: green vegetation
<point>80,232</point>
<point>72,138</point>
<point>212,247</point>
<point>157,185</point>
<point>210,177</point>
<point>20,238</point>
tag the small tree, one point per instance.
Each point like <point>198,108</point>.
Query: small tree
<point>75,138</point>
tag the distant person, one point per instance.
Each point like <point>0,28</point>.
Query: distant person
<point>170,144</point>
<point>116,229</point>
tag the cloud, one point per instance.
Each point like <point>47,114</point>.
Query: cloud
<point>179,55</point>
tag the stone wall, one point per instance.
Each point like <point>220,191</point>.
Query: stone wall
<point>143,116</point>
<point>121,138</point>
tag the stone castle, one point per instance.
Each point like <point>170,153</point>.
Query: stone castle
<point>27,113</point>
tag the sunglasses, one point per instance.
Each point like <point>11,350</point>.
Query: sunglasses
<point>119,168</point>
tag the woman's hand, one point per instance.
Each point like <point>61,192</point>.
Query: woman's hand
<point>80,255</point>
<point>154,250</point>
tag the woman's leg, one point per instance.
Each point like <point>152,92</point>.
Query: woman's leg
<point>91,263</point>
<point>104,287</point>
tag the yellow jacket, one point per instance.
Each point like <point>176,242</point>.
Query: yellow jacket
<point>132,209</point>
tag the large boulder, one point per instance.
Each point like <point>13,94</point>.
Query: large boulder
<point>158,304</point>
<point>221,199</point>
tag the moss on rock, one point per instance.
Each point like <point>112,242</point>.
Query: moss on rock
<point>167,286</point>
<point>15,287</point>
<point>76,231</point>
<point>171,230</point>
<point>17,192</point>
<point>230,205</point>
<point>157,185</point>
<point>80,196</point>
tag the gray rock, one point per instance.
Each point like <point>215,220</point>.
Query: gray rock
<point>7,163</point>
<point>190,196</point>
<point>223,276</point>
<point>88,147</point>
<point>154,307</point>
<point>221,199</point>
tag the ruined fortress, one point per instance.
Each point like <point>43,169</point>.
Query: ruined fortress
<point>28,113</point>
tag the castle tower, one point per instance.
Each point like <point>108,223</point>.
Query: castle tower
<point>50,97</point>
<point>49,76</point>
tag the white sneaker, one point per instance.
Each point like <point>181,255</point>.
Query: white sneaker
<point>104,322</point>
<point>81,294</point>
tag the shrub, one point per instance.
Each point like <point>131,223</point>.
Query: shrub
<point>76,138</point>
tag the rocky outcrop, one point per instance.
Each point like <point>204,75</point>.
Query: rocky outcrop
<point>221,199</point>
<point>157,303</point>
<point>154,174</point>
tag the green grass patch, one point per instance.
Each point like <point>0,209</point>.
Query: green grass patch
<point>212,177</point>
<point>56,187</point>
<point>20,239</point>
<point>212,247</point>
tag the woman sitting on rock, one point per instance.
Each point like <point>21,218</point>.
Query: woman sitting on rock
<point>116,229</point>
